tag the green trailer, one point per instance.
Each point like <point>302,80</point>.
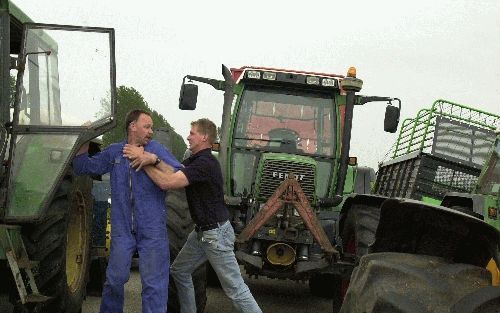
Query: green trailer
<point>447,155</point>
<point>441,150</point>
<point>436,249</point>
<point>57,91</point>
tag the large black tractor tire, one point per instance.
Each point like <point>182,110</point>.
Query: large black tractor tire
<point>359,227</point>
<point>179,226</point>
<point>358,233</point>
<point>60,244</point>
<point>391,282</point>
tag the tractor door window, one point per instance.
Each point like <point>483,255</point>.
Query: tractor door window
<point>66,80</point>
<point>290,122</point>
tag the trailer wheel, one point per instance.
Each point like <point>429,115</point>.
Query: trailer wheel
<point>179,226</point>
<point>60,243</point>
<point>391,282</point>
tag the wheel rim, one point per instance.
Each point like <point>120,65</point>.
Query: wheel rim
<point>76,245</point>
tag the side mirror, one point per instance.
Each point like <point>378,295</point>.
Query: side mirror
<point>391,119</point>
<point>188,96</point>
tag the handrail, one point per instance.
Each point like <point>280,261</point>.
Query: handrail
<point>418,133</point>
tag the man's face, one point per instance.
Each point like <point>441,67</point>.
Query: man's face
<point>142,130</point>
<point>197,141</point>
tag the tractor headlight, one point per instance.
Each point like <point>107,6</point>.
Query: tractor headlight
<point>269,76</point>
<point>328,82</point>
<point>253,74</point>
<point>312,80</point>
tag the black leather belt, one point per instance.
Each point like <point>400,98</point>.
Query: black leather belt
<point>206,227</point>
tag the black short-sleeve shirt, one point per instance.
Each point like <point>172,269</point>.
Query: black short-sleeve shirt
<point>205,194</point>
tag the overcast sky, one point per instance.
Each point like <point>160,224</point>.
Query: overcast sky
<point>418,51</point>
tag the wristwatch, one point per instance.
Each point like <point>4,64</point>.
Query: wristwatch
<point>158,160</point>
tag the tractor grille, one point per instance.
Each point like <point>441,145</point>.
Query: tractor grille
<point>275,172</point>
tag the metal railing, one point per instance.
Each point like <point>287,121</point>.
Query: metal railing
<point>417,134</point>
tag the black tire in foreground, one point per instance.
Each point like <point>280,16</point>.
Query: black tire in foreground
<point>391,282</point>
<point>60,244</point>
<point>179,225</point>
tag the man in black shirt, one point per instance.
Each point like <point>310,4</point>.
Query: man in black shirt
<point>213,236</point>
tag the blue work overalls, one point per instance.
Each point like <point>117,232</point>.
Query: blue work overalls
<point>138,222</point>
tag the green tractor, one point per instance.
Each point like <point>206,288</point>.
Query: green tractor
<point>289,181</point>
<point>64,82</point>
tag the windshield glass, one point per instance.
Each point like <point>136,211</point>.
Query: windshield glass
<point>291,122</point>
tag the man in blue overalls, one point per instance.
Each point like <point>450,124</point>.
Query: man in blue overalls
<point>138,217</point>
<point>100,192</point>
<point>213,237</point>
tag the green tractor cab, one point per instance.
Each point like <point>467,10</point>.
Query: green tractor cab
<point>64,95</point>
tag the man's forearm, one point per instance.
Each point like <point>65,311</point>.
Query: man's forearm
<point>164,176</point>
<point>157,175</point>
<point>165,168</point>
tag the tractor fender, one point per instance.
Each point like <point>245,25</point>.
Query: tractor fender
<point>371,200</point>
<point>411,226</point>
<point>471,202</point>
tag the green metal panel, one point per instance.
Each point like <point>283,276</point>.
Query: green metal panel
<point>4,5</point>
<point>42,159</point>
<point>349,180</point>
<point>431,200</point>
<point>10,238</point>
<point>238,90</point>
<point>492,211</point>
<point>281,157</point>
<point>18,13</point>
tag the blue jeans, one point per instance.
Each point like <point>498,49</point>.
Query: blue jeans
<point>217,247</point>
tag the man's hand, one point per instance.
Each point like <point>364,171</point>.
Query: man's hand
<point>138,157</point>
<point>83,149</point>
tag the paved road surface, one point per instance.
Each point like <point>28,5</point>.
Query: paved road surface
<point>274,296</point>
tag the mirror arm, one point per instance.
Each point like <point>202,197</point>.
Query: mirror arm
<point>217,84</point>
<point>362,100</point>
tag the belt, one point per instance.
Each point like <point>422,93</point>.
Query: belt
<point>206,227</point>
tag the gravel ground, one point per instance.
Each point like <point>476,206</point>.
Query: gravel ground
<point>274,296</point>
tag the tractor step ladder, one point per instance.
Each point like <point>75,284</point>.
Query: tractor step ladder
<point>20,265</point>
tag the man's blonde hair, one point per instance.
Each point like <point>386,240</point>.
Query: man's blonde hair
<point>206,127</point>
